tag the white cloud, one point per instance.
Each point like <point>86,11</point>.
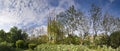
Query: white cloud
<point>6,17</point>
<point>25,12</point>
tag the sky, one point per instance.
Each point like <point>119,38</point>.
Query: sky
<point>31,15</point>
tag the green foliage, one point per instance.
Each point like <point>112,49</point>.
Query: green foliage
<point>19,43</point>
<point>6,48</point>
<point>104,40</point>
<point>72,39</point>
<point>86,40</point>
<point>6,44</point>
<point>32,46</point>
<point>55,31</point>
<point>43,39</point>
<point>8,40</point>
<point>17,34</point>
<point>118,49</point>
<point>115,39</point>
<point>3,36</point>
<point>47,47</point>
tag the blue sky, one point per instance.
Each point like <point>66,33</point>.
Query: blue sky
<point>32,14</point>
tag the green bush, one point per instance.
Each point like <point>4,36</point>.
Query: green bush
<point>6,48</point>
<point>115,39</point>
<point>72,39</point>
<point>20,44</point>
<point>9,48</point>
<point>6,44</point>
<point>47,47</point>
<point>32,46</point>
<point>118,49</point>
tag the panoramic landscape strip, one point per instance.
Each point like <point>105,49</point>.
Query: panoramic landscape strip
<point>59,25</point>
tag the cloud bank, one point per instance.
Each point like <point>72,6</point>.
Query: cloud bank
<point>30,15</point>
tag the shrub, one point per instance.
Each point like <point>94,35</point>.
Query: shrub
<point>9,48</point>
<point>32,46</point>
<point>20,44</point>
<point>6,44</point>
<point>72,39</point>
<point>6,48</point>
<point>118,49</point>
<point>115,39</point>
<point>48,47</point>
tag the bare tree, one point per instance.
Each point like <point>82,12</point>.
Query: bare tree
<point>70,19</point>
<point>95,14</point>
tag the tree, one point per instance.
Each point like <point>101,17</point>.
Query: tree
<point>117,23</point>
<point>109,23</point>
<point>95,14</point>
<point>55,32</point>
<point>17,34</point>
<point>115,39</point>
<point>106,23</point>
<point>3,36</point>
<point>72,20</point>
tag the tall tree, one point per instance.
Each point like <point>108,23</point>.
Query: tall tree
<point>3,36</point>
<point>116,23</point>
<point>17,34</point>
<point>106,23</point>
<point>110,23</point>
<point>70,19</point>
<point>95,14</point>
<point>55,32</point>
